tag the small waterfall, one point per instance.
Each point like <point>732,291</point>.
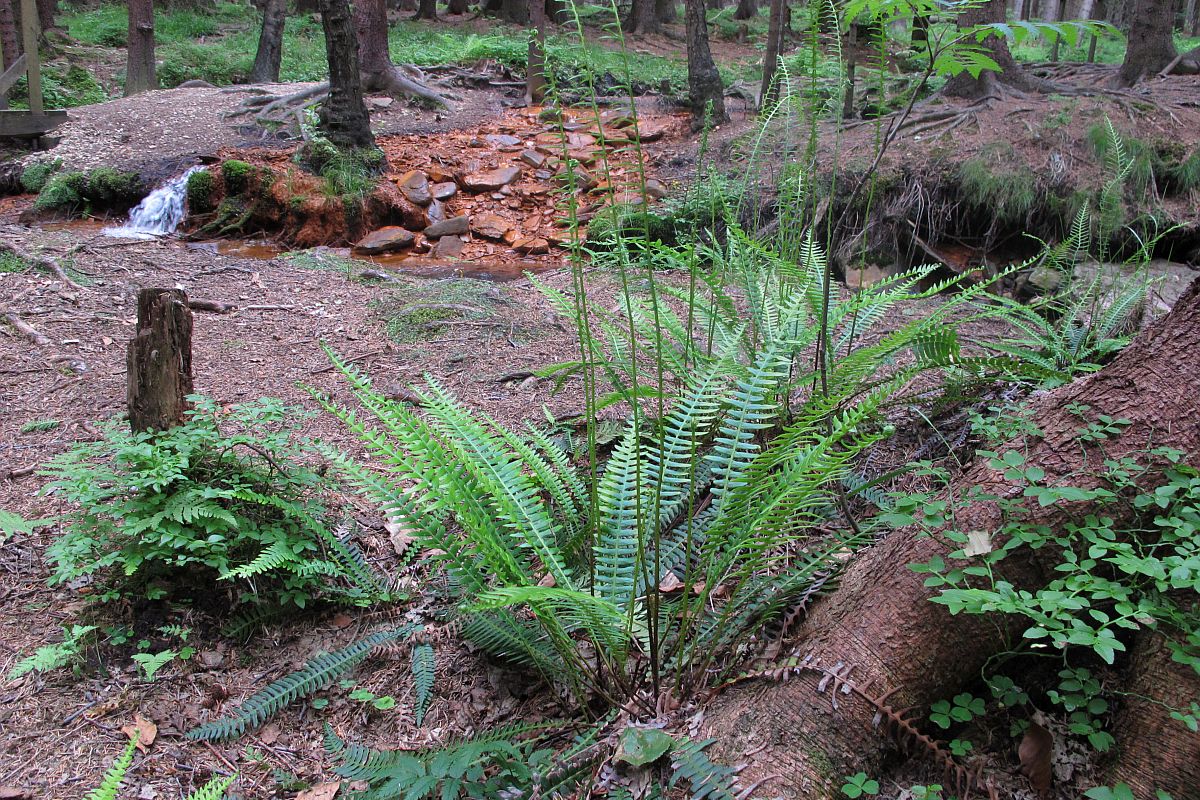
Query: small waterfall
<point>159,213</point>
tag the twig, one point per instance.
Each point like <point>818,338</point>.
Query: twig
<point>211,305</point>
<point>28,331</point>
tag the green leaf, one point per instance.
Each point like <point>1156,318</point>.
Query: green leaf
<point>641,746</point>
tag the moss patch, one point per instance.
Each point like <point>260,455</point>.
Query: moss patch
<point>75,193</point>
<point>200,187</point>
<point>236,175</point>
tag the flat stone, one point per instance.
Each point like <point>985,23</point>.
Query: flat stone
<point>580,140</point>
<point>502,140</point>
<point>651,131</point>
<point>439,175</point>
<point>531,246</point>
<point>449,227</point>
<point>543,174</point>
<point>414,184</point>
<point>616,118</point>
<point>583,179</point>
<point>436,212</point>
<point>448,247</point>
<point>550,114</point>
<point>444,191</point>
<point>533,158</point>
<point>490,226</point>
<point>384,240</point>
<point>492,180</point>
<point>379,102</point>
<point>656,189</point>
<point>587,157</point>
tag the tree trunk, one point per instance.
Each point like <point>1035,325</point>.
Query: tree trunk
<point>643,18</point>
<point>371,28</point>
<point>706,94</point>
<point>1151,44</point>
<point>558,12</point>
<point>746,9</point>
<point>879,628</point>
<point>666,10</point>
<point>139,72</point>
<point>270,43</point>
<point>1011,75</point>
<point>159,361</point>
<point>535,72</point>
<point>427,9</point>
<point>9,40</point>
<point>457,7</point>
<point>1158,753</point>
<point>344,114</point>
<point>515,11</point>
<point>769,91</point>
<point>47,14</point>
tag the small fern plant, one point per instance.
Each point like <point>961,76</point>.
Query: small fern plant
<point>202,503</point>
<point>109,786</point>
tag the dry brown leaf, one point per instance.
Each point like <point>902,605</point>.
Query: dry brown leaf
<point>143,729</point>
<point>547,580</point>
<point>269,734</point>
<point>342,621</point>
<point>322,791</point>
<point>670,583</point>
<point>1035,752</point>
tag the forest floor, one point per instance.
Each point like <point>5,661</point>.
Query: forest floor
<point>62,731</point>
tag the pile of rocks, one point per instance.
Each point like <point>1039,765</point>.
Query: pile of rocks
<point>507,190</point>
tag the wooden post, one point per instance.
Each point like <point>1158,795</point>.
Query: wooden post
<point>159,360</point>
<point>535,75</point>
<point>31,32</point>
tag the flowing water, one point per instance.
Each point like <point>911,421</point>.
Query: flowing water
<point>159,213</point>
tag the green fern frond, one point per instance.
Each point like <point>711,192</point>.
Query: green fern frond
<point>215,789</point>
<point>705,780</point>
<point>111,784</point>
<point>424,672</point>
<point>315,675</point>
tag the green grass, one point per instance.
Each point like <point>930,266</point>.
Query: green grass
<point>1007,194</point>
<point>10,262</point>
<point>411,312</point>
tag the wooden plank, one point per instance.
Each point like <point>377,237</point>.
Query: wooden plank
<point>31,30</point>
<point>12,75</point>
<point>27,123</point>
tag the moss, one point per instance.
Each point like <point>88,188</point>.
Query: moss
<point>35,175</point>
<point>236,175</point>
<point>111,188</point>
<point>11,262</point>
<point>1007,195</point>
<point>200,185</point>
<point>64,193</point>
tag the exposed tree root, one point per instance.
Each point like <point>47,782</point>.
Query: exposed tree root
<point>399,81</point>
<point>40,262</point>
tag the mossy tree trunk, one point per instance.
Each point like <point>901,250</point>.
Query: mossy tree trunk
<point>159,361</point>
<point>270,43</point>
<point>140,71</point>
<point>879,627</point>
<point>343,115</point>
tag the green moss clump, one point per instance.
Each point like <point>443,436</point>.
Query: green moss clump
<point>35,175</point>
<point>236,175</point>
<point>109,187</point>
<point>200,186</point>
<point>65,193</point>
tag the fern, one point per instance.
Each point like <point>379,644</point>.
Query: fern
<point>215,789</point>
<point>315,675</point>
<point>111,783</point>
<point>424,674</point>
<point>705,780</point>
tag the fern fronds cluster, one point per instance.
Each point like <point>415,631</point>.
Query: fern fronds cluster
<point>197,500</point>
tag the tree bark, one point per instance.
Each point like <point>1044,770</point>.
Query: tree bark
<point>47,14</point>
<point>427,9</point>
<point>159,361</point>
<point>457,7</point>
<point>706,94</point>
<point>535,71</point>
<point>881,629</point>
<point>344,114</point>
<point>515,11</point>
<point>1158,753</point>
<point>1151,44</point>
<point>1011,75</point>
<point>139,70</point>
<point>643,18</point>
<point>666,10</point>
<point>270,43</point>
<point>9,40</point>
<point>769,91</point>
<point>746,9</point>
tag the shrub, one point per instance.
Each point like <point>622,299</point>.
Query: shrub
<point>200,191</point>
<point>197,502</point>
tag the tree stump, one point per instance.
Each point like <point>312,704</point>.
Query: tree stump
<point>159,361</point>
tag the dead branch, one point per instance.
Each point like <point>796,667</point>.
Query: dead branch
<point>214,306</point>
<point>39,262</point>
<point>25,329</point>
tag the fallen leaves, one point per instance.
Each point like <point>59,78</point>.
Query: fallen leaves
<point>1035,752</point>
<point>143,730</point>
<point>322,791</point>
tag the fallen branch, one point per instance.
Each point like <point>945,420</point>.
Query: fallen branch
<point>211,305</point>
<point>39,262</point>
<point>28,331</point>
